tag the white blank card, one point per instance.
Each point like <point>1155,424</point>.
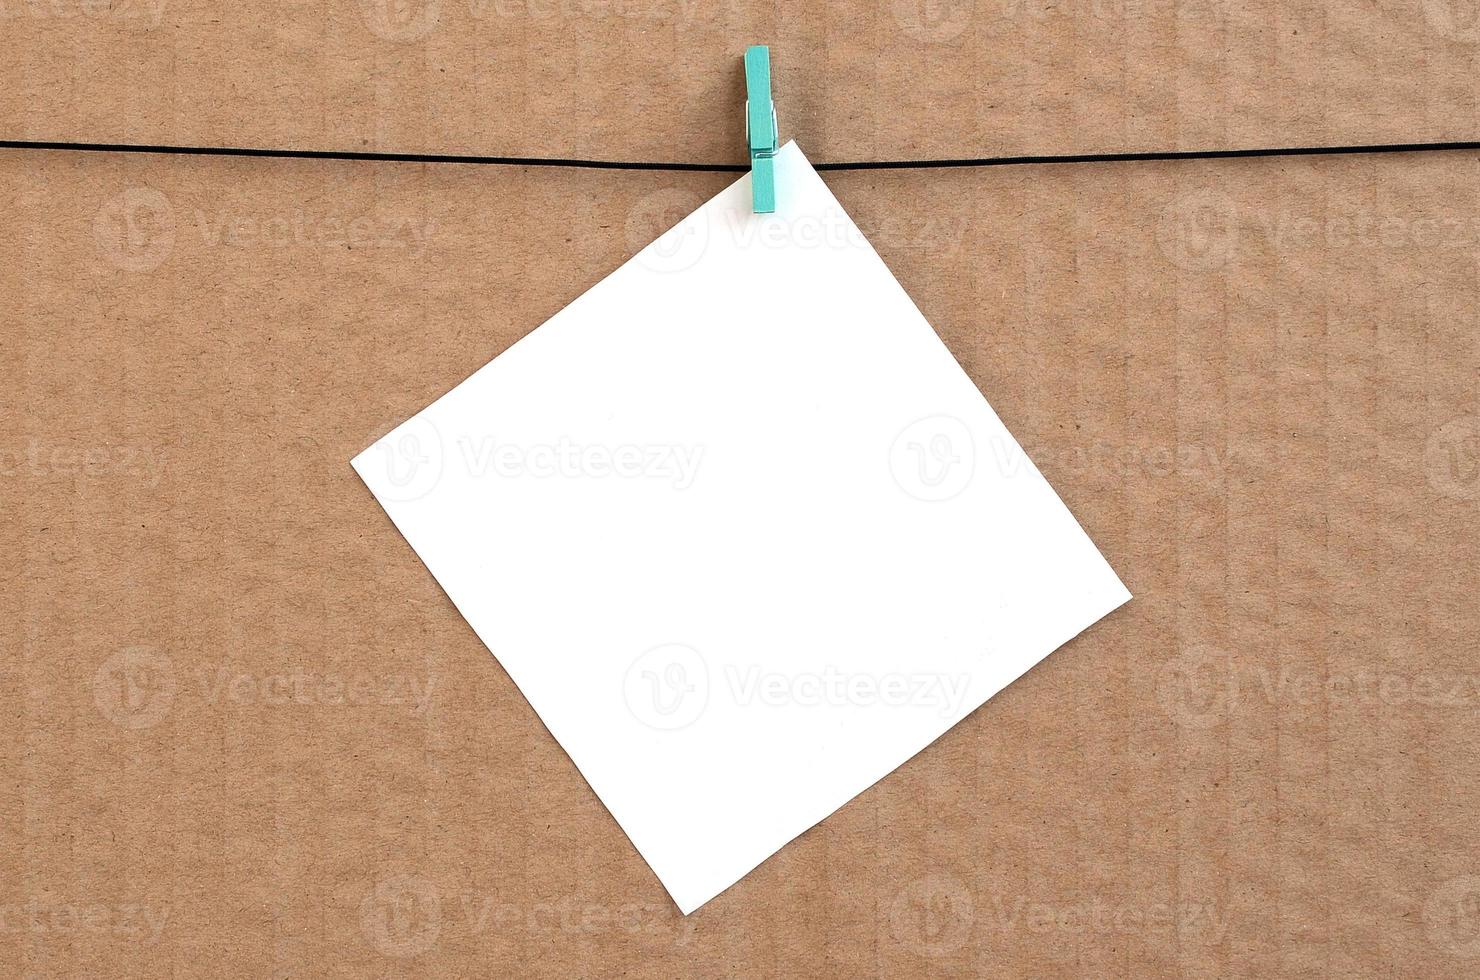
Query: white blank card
<point>741,529</point>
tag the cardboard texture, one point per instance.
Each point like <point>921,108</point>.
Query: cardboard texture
<point>247,738</point>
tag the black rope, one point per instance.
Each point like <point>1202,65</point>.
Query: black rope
<point>1002,161</point>
<point>1149,155</point>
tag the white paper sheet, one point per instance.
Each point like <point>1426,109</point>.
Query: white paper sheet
<point>741,529</point>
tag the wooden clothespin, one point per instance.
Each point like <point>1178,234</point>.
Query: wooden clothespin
<point>760,129</point>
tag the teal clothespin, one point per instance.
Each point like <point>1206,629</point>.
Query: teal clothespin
<point>760,128</point>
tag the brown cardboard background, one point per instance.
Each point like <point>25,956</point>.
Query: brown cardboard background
<point>1253,382</point>
<point>652,79</point>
